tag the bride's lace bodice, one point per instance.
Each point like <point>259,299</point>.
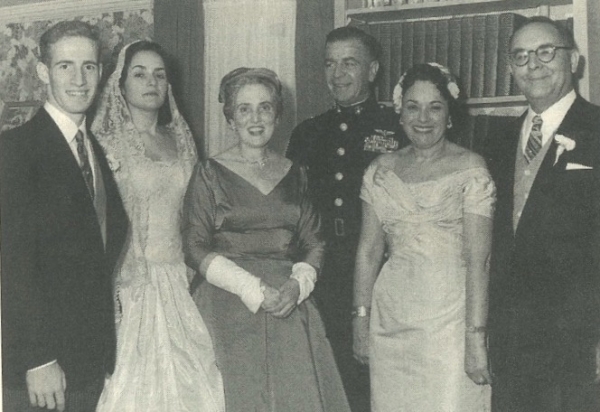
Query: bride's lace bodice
<point>152,193</point>
<point>155,191</point>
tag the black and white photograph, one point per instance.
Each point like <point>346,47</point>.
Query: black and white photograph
<point>300,205</point>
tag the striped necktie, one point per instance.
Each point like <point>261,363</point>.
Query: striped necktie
<point>534,143</point>
<point>84,163</point>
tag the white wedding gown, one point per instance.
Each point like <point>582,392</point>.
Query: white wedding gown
<point>165,357</point>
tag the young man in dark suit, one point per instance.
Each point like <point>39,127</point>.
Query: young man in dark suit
<point>63,226</point>
<point>545,293</point>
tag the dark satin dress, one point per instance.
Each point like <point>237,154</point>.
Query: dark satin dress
<point>268,364</point>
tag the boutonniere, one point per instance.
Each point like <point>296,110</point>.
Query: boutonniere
<point>113,163</point>
<point>564,143</point>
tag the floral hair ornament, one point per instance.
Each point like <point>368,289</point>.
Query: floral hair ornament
<point>564,143</point>
<point>452,85</point>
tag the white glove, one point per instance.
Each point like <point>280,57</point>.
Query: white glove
<point>306,275</point>
<point>225,274</point>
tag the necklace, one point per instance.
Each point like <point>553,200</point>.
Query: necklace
<point>261,163</point>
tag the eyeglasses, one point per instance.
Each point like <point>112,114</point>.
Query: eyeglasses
<point>545,54</point>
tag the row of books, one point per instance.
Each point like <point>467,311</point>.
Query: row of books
<point>475,132</point>
<point>474,48</point>
<point>380,3</point>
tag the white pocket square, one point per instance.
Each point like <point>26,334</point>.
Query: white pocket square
<point>577,166</point>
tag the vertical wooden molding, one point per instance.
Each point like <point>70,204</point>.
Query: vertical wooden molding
<point>592,13</point>
<point>580,32</point>
<point>339,16</point>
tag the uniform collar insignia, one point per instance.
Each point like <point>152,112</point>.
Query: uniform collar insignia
<point>355,109</point>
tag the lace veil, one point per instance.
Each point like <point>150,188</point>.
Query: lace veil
<point>124,148</point>
<point>115,130</point>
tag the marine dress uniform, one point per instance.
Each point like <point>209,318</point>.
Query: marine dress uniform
<point>337,146</point>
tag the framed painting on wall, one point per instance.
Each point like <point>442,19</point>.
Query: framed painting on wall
<point>16,113</point>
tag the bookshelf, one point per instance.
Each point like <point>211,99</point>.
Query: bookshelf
<point>581,14</point>
<point>441,8</point>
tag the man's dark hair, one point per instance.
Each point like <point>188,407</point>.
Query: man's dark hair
<point>564,33</point>
<point>352,33</point>
<point>70,28</point>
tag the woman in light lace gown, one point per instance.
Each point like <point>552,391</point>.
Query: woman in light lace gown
<point>165,358</point>
<point>431,205</point>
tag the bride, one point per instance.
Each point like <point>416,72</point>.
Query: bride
<point>165,358</point>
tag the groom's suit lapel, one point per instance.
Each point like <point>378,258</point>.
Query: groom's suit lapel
<point>116,217</point>
<point>62,172</point>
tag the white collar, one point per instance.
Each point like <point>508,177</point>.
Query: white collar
<point>66,125</point>
<point>554,115</point>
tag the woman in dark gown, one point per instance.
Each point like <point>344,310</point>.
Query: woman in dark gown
<point>251,231</point>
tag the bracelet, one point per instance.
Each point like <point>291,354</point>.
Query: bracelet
<point>360,312</point>
<point>475,329</point>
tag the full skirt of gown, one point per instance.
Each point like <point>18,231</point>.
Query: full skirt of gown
<point>268,364</point>
<point>165,356</point>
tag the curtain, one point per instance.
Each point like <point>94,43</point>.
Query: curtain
<point>315,20</point>
<point>250,33</point>
<point>179,29</point>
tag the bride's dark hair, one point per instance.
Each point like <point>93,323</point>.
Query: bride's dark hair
<point>143,45</point>
<point>164,113</point>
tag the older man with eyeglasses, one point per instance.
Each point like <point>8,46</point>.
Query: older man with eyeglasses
<point>545,294</point>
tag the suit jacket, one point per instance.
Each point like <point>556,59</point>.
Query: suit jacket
<point>57,299</point>
<point>544,293</point>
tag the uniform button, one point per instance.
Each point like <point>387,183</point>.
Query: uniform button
<point>338,201</point>
<point>341,151</point>
<point>527,172</point>
<point>343,127</point>
<point>339,176</point>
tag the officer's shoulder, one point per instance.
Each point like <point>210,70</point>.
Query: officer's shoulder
<point>315,121</point>
<point>324,116</point>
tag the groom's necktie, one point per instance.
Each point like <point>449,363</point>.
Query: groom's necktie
<point>84,163</point>
<point>534,143</point>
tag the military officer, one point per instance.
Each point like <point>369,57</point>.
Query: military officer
<point>337,146</point>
